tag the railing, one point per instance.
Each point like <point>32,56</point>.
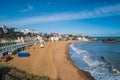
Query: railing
<point>2,44</point>
<point>14,47</point>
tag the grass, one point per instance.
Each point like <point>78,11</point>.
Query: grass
<point>12,73</point>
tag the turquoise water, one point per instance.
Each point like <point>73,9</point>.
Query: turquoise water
<point>101,60</point>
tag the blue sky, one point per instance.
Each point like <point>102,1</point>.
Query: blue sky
<point>88,17</point>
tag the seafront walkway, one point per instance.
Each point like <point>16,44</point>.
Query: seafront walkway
<point>15,47</point>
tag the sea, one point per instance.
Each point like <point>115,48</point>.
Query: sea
<point>100,59</point>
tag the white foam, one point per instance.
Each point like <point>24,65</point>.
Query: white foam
<point>115,70</point>
<point>97,68</point>
<point>77,50</point>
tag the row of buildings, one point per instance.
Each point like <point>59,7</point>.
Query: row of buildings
<point>30,35</point>
<point>4,29</point>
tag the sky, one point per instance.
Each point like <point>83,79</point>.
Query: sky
<point>86,17</point>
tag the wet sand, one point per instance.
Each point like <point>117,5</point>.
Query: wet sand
<point>52,61</point>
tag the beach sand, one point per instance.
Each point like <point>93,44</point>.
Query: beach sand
<point>52,61</point>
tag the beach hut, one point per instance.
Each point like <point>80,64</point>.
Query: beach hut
<point>22,40</point>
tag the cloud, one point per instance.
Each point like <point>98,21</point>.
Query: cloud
<point>29,8</point>
<point>85,14</point>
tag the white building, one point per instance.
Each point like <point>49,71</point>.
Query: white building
<point>54,39</point>
<point>26,31</point>
<point>40,39</point>
<point>80,38</point>
<point>83,39</point>
<point>35,32</point>
<point>22,40</point>
<point>18,40</point>
<point>3,28</point>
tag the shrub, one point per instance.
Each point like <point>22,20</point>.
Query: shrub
<point>12,73</point>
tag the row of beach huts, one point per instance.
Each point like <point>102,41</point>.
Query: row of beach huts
<point>14,49</point>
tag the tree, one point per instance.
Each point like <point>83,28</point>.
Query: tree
<point>11,33</point>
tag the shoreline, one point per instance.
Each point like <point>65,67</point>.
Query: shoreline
<point>52,61</point>
<point>73,64</point>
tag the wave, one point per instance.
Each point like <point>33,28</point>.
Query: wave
<point>99,67</point>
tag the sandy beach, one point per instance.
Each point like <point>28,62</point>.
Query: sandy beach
<point>52,61</point>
